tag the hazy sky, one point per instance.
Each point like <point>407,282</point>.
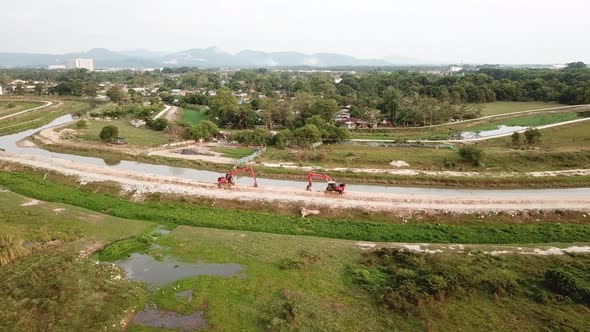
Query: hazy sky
<point>482,31</point>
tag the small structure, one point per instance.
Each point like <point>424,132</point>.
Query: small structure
<point>354,123</point>
<point>137,123</point>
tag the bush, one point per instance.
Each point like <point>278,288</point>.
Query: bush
<point>307,135</point>
<point>283,139</point>
<point>258,136</point>
<point>157,124</point>
<point>565,283</point>
<point>108,133</point>
<point>532,136</point>
<point>81,124</point>
<point>516,138</point>
<point>471,153</point>
<point>11,105</point>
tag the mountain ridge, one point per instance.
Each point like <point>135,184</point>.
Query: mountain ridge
<point>210,57</point>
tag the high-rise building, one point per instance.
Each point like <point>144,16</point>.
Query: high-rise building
<point>87,64</point>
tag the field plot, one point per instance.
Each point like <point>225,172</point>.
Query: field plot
<point>503,107</point>
<point>11,107</point>
<point>194,116</point>
<point>134,136</point>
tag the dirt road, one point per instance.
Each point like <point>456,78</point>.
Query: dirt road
<point>461,202</point>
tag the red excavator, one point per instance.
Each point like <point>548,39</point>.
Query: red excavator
<point>228,179</point>
<point>332,186</point>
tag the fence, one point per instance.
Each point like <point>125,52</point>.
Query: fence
<point>247,159</point>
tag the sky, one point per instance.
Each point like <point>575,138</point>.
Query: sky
<point>451,31</point>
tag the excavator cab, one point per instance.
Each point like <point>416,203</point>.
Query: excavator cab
<point>332,186</point>
<point>228,179</point>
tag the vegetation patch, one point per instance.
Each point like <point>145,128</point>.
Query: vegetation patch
<point>420,285</point>
<point>205,216</point>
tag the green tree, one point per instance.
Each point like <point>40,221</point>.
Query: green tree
<point>516,138</point>
<point>326,108</point>
<point>19,89</point>
<point>472,153</point>
<point>39,88</point>
<point>392,103</point>
<point>108,133</point>
<point>157,124</point>
<point>307,135</point>
<point>532,136</point>
<point>116,94</point>
<point>372,116</point>
<point>224,107</point>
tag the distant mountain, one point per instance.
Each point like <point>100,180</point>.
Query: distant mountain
<point>210,57</point>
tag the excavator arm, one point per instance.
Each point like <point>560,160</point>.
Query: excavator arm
<point>332,186</point>
<point>311,175</point>
<point>229,177</point>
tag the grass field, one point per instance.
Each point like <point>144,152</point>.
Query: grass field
<point>194,116</point>
<point>560,148</point>
<point>295,283</point>
<point>503,107</point>
<point>42,116</point>
<point>47,286</point>
<point>134,136</point>
<point>194,214</point>
<point>529,121</point>
<point>18,106</point>
<point>236,153</point>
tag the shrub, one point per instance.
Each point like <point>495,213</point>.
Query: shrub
<point>108,133</point>
<point>565,283</point>
<point>283,138</point>
<point>81,124</point>
<point>307,135</point>
<point>258,136</point>
<point>471,153</point>
<point>11,105</point>
<point>532,136</point>
<point>516,138</point>
<point>157,124</point>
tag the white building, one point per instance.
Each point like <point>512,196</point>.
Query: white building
<point>87,64</point>
<point>56,67</point>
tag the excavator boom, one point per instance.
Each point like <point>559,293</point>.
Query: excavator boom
<point>332,186</point>
<point>229,177</point>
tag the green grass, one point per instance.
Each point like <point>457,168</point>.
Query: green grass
<point>529,121</point>
<point>236,153</point>
<point>496,293</point>
<point>58,291</point>
<point>194,116</point>
<point>503,107</point>
<point>134,136</point>
<point>42,116</point>
<point>19,106</point>
<point>49,221</point>
<point>54,289</point>
<point>206,216</point>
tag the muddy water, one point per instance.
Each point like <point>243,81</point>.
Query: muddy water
<point>154,273</point>
<point>170,320</point>
<point>9,143</point>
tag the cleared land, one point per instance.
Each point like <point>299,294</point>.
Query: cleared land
<point>503,107</point>
<point>40,117</point>
<point>560,148</point>
<point>17,106</point>
<point>134,136</point>
<point>194,116</point>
